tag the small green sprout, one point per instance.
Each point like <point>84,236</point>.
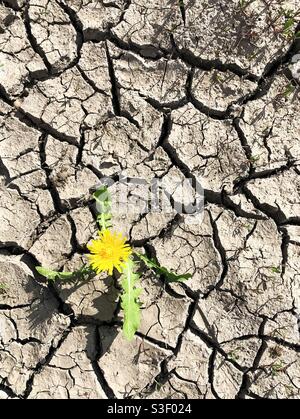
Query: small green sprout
<point>249,227</point>
<point>245,3</point>
<point>233,355</point>
<point>289,89</point>
<point>3,288</point>
<point>288,26</point>
<point>290,22</point>
<point>277,368</point>
<point>158,385</point>
<point>254,159</point>
<point>276,270</point>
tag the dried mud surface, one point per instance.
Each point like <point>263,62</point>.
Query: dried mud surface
<point>206,90</point>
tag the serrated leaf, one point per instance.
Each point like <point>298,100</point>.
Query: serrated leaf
<point>103,199</point>
<point>130,300</point>
<point>161,270</point>
<point>53,275</point>
<point>65,276</point>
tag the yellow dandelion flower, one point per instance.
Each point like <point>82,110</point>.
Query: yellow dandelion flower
<point>109,251</point>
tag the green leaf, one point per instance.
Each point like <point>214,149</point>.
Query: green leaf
<point>289,89</point>
<point>3,288</point>
<point>276,270</point>
<point>53,275</point>
<point>253,159</point>
<point>80,274</point>
<point>103,199</point>
<point>288,24</point>
<point>161,270</point>
<point>130,300</point>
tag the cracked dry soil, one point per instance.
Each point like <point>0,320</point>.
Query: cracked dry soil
<point>206,90</point>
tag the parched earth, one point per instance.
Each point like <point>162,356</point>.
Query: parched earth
<point>207,90</point>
